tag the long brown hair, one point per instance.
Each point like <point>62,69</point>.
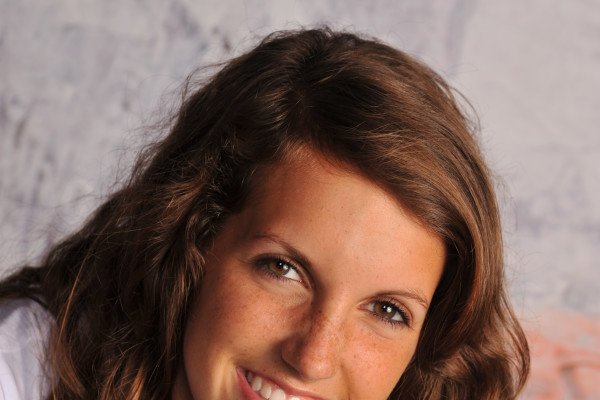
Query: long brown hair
<point>120,287</point>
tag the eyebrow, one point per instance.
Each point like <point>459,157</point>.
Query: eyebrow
<point>411,294</point>
<point>302,259</point>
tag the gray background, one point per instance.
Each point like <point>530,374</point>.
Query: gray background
<point>79,78</point>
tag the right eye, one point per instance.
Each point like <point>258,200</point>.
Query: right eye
<point>280,269</point>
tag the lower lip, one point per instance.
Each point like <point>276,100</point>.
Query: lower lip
<point>247,392</point>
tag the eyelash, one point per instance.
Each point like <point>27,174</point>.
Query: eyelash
<point>263,266</point>
<point>406,321</point>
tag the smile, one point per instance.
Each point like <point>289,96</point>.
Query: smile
<point>266,388</point>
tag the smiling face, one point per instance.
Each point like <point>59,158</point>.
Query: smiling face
<point>317,289</point>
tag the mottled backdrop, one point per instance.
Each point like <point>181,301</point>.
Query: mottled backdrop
<point>79,80</point>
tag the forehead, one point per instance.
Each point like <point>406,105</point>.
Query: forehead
<point>341,221</point>
<point>304,166</point>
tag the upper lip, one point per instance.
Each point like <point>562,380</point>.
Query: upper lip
<point>289,390</point>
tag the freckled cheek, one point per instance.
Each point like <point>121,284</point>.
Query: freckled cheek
<point>242,311</point>
<point>379,360</point>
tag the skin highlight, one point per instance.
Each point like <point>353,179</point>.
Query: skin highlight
<point>315,330</point>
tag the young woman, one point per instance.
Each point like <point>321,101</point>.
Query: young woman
<point>317,224</point>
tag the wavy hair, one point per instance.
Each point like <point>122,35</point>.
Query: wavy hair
<point>120,288</point>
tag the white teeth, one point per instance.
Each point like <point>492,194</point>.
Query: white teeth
<point>256,383</point>
<point>265,391</point>
<point>278,394</point>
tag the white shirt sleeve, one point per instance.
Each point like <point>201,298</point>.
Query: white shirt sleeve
<point>24,327</point>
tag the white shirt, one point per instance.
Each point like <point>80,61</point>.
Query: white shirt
<point>24,328</point>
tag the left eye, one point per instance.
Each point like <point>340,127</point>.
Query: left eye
<point>281,269</point>
<point>387,311</point>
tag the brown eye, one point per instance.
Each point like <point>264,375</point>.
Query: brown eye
<point>388,312</point>
<point>385,310</point>
<point>278,267</point>
<point>281,269</point>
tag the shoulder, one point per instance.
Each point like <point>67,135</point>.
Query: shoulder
<point>24,326</point>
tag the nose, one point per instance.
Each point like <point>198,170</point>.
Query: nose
<point>313,350</point>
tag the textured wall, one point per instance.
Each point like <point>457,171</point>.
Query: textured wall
<point>78,78</point>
